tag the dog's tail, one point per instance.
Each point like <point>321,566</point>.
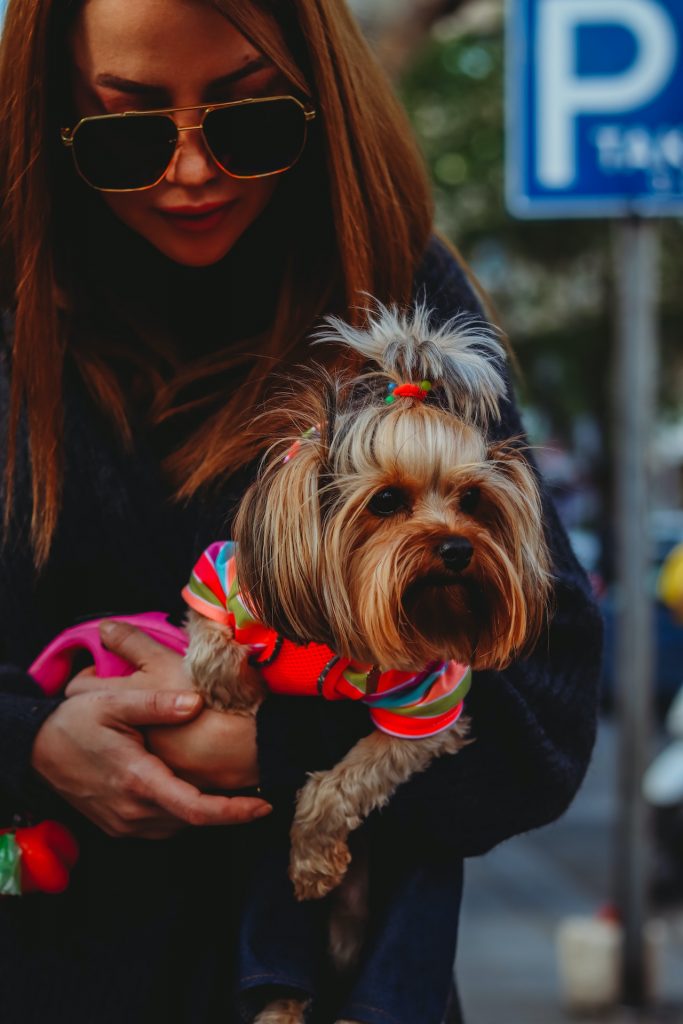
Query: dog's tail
<point>462,357</point>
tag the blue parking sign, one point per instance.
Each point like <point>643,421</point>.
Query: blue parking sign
<point>594,108</point>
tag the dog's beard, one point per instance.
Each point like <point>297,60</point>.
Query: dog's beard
<point>446,611</point>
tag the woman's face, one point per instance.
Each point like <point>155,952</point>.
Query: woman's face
<point>153,54</point>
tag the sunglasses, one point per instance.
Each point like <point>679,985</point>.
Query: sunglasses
<point>129,152</point>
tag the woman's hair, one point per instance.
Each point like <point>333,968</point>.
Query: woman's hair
<point>363,215</point>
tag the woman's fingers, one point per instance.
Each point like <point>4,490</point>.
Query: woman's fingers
<point>139,820</point>
<point>131,643</point>
<point>88,682</point>
<point>85,681</point>
<point>159,785</point>
<point>149,707</point>
<point>157,667</point>
<point>216,751</point>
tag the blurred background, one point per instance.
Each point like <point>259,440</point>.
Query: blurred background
<point>553,285</point>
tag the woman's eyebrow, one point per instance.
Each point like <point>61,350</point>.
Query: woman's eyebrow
<point>127,85</point>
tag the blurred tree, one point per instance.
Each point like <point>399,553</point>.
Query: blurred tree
<point>403,33</point>
<point>398,28</point>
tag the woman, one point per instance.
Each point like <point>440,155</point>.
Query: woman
<point>155,277</point>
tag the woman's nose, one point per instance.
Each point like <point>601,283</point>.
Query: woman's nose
<point>192,163</point>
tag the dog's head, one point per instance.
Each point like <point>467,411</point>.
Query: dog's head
<point>385,525</point>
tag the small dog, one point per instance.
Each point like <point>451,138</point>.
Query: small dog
<point>388,549</point>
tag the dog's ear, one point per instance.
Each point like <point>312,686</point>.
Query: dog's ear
<point>520,523</point>
<point>462,358</point>
<point>277,530</point>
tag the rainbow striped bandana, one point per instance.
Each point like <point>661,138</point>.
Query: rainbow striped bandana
<point>406,704</point>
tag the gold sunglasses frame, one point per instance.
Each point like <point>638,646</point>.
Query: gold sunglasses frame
<point>67,135</point>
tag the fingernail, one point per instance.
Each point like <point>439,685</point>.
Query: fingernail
<point>262,811</point>
<point>186,701</point>
<point>108,628</point>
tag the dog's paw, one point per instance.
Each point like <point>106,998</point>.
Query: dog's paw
<point>319,869</point>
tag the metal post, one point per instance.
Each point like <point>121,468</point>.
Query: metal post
<point>636,261</point>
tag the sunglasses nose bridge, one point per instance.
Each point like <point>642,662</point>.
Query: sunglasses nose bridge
<point>192,128</point>
<point>202,166</point>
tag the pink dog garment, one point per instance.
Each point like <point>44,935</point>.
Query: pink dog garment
<point>52,668</point>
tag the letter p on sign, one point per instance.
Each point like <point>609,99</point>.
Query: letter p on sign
<point>564,95</point>
<point>582,73</point>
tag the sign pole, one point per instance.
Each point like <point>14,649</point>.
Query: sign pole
<point>636,259</point>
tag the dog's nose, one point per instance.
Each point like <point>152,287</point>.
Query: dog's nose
<point>456,553</point>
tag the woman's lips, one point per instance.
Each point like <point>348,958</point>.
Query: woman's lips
<point>197,218</point>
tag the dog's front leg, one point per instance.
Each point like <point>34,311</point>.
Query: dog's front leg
<point>334,803</point>
<point>220,667</point>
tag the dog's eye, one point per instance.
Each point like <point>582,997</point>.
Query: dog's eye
<point>469,500</point>
<point>387,502</point>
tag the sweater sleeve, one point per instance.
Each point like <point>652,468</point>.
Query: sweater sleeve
<point>23,705</point>
<point>534,723</point>
<point>23,709</point>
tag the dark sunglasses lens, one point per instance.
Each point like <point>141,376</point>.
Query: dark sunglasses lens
<point>259,138</point>
<point>124,152</point>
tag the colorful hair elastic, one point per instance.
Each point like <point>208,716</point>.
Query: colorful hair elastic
<point>419,391</point>
<point>310,434</point>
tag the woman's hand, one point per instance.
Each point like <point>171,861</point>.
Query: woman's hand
<point>92,752</point>
<point>214,751</point>
<point>158,667</point>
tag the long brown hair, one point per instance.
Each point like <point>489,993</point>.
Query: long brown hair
<point>363,221</point>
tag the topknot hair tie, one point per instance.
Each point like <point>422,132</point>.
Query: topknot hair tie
<point>419,391</point>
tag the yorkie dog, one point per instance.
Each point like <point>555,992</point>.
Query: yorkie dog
<point>385,550</point>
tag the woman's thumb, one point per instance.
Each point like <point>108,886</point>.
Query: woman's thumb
<point>129,642</point>
<point>151,707</point>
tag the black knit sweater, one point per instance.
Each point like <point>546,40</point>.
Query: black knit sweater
<point>133,919</point>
